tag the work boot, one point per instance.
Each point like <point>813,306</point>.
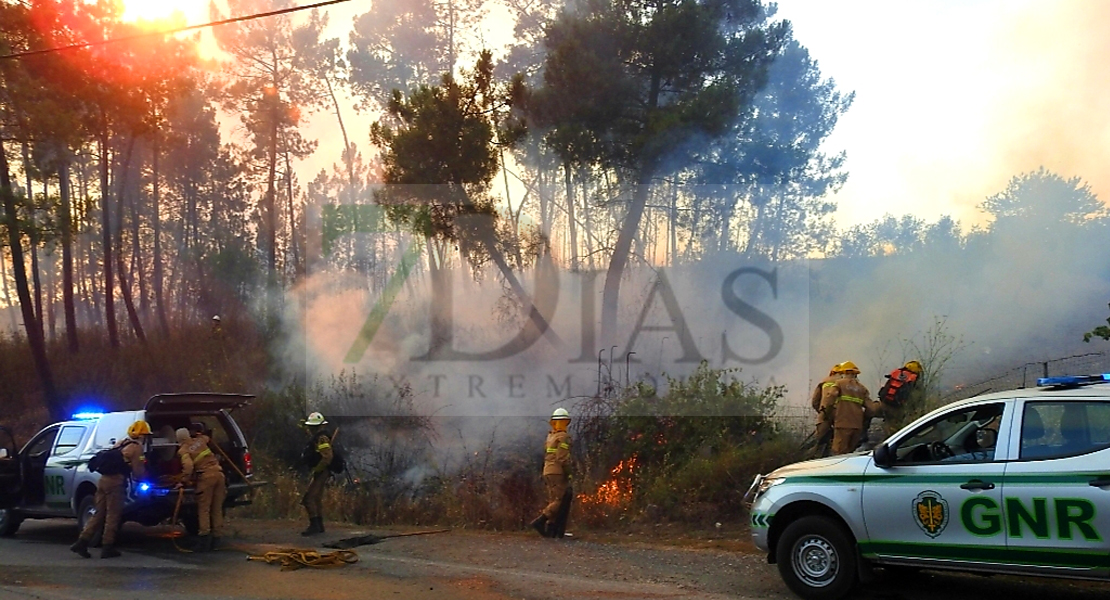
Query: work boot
<point>213,543</point>
<point>315,527</point>
<point>109,552</point>
<point>203,543</point>
<point>540,525</point>
<point>81,547</point>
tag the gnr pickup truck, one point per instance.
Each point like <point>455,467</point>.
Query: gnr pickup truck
<point>49,476</point>
<point>1014,482</point>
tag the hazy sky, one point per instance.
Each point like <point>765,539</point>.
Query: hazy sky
<point>953,98</point>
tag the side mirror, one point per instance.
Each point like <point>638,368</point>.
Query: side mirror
<point>884,456</point>
<point>3,452</point>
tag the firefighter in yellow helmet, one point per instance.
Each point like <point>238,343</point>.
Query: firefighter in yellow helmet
<point>556,470</point>
<point>853,406</point>
<point>896,393</point>
<point>111,490</point>
<point>318,454</point>
<point>211,487</point>
<point>822,435</point>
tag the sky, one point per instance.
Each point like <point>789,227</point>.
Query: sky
<point>954,98</point>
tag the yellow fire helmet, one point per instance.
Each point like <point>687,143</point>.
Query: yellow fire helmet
<point>837,368</point>
<point>849,367</point>
<point>138,428</point>
<point>913,366</point>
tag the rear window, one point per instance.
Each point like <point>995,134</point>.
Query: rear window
<point>1062,429</point>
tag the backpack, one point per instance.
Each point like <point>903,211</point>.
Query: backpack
<point>110,461</point>
<point>338,463</point>
<point>310,457</point>
<point>897,387</point>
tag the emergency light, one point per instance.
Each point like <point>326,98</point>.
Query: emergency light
<point>1072,380</point>
<point>87,415</point>
<point>144,487</point>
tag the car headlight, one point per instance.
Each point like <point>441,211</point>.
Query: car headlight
<point>760,485</point>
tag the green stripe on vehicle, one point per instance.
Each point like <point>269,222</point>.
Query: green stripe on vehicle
<point>1045,557</point>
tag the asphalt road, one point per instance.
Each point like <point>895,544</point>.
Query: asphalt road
<point>36,564</point>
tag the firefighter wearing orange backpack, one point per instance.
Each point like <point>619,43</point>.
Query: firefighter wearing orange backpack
<point>895,394</point>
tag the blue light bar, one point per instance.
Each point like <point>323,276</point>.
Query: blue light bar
<point>144,487</point>
<point>1069,380</point>
<point>87,416</point>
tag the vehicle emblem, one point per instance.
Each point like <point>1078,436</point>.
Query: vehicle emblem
<point>930,512</point>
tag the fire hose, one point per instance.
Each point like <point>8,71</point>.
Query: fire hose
<point>292,559</point>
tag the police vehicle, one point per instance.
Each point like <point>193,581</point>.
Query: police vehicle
<point>1015,482</point>
<point>49,476</point>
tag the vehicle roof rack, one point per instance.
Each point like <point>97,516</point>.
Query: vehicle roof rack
<point>1072,380</point>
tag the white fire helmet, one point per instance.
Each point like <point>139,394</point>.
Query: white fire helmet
<point>560,414</point>
<point>315,419</point>
<point>216,318</point>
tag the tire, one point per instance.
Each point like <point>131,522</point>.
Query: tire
<point>191,522</point>
<point>9,522</point>
<point>817,559</point>
<point>85,510</point>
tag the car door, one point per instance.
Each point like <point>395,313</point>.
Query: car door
<point>939,500</point>
<point>33,459</point>
<point>10,484</point>
<point>61,467</point>
<point>1057,490</point>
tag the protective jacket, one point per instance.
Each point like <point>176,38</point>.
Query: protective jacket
<point>556,459</point>
<point>197,457</point>
<point>853,403</point>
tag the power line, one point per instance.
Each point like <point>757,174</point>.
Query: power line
<point>137,36</point>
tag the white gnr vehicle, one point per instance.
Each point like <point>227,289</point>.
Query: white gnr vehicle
<point>1015,482</point>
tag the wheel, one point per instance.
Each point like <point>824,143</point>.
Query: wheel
<point>817,558</point>
<point>191,522</point>
<point>85,511</point>
<point>9,522</point>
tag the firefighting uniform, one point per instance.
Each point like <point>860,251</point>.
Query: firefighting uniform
<point>110,494</point>
<point>556,470</point>
<point>211,487</point>
<point>824,413</point>
<point>853,404</point>
<point>313,500</point>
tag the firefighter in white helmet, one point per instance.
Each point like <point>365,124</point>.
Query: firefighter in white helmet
<point>318,454</point>
<point>556,469</point>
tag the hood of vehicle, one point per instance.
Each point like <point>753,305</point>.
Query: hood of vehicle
<point>844,464</point>
<point>197,402</point>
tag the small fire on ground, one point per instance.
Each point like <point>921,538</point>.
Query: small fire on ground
<point>615,491</point>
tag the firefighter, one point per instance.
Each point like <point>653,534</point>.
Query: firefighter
<point>823,432</point>
<point>198,460</point>
<point>556,469</point>
<point>111,490</point>
<point>895,394</point>
<point>318,455</point>
<point>853,405</point>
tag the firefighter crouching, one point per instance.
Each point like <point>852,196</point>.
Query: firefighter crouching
<point>318,454</point>
<point>211,487</point>
<point>822,434</point>
<point>853,406</point>
<point>111,490</point>
<point>556,469</point>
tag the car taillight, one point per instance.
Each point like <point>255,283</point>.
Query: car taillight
<point>247,461</point>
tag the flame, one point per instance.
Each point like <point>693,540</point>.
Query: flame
<point>617,490</point>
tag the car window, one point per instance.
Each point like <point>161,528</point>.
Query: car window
<point>967,435</point>
<point>1061,429</point>
<point>42,443</point>
<point>68,439</point>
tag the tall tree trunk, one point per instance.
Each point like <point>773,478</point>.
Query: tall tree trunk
<point>67,254</point>
<point>34,334</point>
<point>156,218</point>
<point>570,217</point>
<point>292,218</point>
<point>589,232</point>
<point>33,236</point>
<point>51,294</point>
<point>271,190</point>
<point>610,296</point>
<point>124,284</point>
<point>348,151</point>
<point>106,240</point>
<point>137,270</point>
<point>7,290</point>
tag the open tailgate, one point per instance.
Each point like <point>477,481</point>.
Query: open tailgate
<point>197,402</point>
